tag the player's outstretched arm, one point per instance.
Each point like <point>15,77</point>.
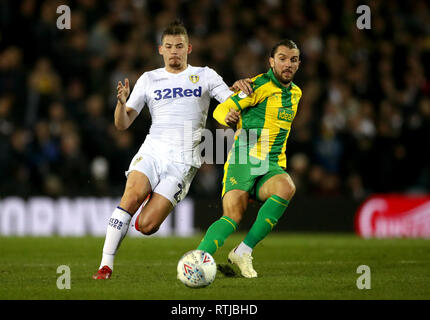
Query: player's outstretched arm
<point>124,116</point>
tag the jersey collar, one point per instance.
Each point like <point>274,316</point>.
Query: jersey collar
<point>176,74</point>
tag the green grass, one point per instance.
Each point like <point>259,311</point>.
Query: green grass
<point>290,266</point>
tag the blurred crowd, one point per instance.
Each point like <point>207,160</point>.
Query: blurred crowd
<point>363,124</point>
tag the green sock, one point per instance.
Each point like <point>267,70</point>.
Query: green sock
<point>267,217</point>
<point>217,233</point>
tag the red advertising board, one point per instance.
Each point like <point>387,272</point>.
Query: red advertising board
<point>394,215</point>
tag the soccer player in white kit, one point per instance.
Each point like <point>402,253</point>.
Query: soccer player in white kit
<point>178,98</point>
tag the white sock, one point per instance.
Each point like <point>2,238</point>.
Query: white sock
<point>243,248</point>
<point>116,230</point>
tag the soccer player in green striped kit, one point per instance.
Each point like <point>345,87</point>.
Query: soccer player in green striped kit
<point>255,167</point>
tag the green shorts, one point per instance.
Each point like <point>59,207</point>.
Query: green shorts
<point>249,176</point>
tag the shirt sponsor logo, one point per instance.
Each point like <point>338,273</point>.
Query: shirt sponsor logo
<point>285,115</point>
<point>172,93</point>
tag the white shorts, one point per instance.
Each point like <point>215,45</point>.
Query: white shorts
<point>170,179</point>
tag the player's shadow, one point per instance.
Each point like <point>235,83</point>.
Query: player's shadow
<point>227,270</point>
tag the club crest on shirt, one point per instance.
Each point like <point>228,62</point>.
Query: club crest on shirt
<point>194,78</point>
<point>276,95</point>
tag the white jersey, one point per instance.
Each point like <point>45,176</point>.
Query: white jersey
<point>178,104</point>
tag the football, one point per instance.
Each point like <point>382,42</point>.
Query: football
<point>196,269</point>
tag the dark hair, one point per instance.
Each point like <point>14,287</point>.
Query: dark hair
<point>285,42</point>
<point>175,28</point>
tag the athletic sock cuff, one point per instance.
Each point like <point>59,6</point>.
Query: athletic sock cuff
<point>231,221</point>
<point>279,200</point>
<point>121,215</point>
<point>118,207</point>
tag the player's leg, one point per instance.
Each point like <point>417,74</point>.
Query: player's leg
<point>153,214</point>
<point>236,181</point>
<point>136,190</point>
<point>170,190</point>
<point>142,177</point>
<point>234,205</point>
<point>274,189</point>
<point>276,192</point>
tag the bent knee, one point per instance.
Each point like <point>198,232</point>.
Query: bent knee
<point>285,189</point>
<point>148,228</point>
<point>236,215</point>
<point>234,206</point>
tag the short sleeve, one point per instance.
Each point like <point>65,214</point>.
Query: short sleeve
<point>138,96</point>
<point>242,100</point>
<point>216,86</point>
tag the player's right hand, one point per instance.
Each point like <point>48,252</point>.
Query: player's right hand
<point>244,85</point>
<point>123,91</point>
<point>232,117</point>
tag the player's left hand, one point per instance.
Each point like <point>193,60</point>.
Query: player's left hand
<point>243,85</point>
<point>232,117</point>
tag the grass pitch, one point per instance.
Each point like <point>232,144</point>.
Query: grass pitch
<point>290,266</point>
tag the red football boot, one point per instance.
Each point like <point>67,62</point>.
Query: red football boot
<point>104,273</point>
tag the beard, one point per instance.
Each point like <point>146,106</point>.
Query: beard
<point>175,63</point>
<point>285,77</point>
